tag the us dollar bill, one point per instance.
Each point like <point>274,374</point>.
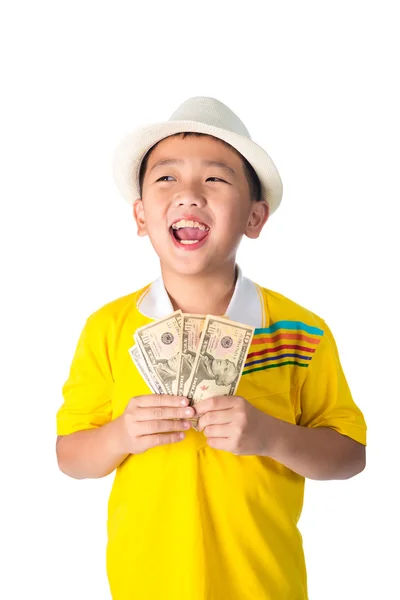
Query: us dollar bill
<point>192,326</point>
<point>220,358</point>
<point>160,343</point>
<point>144,370</point>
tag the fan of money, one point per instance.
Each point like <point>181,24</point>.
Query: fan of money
<point>197,356</point>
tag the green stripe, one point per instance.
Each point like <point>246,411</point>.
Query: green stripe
<point>289,362</point>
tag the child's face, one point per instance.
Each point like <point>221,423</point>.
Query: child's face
<point>190,188</point>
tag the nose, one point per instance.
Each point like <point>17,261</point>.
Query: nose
<point>189,197</point>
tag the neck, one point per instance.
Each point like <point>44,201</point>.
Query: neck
<point>203,294</point>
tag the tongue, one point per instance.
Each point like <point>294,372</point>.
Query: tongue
<point>190,233</point>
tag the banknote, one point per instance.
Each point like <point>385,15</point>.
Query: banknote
<point>144,370</point>
<point>220,358</point>
<point>160,343</point>
<point>192,326</point>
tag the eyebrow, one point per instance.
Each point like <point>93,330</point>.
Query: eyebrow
<point>207,163</point>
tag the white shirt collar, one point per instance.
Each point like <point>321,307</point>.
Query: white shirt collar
<point>246,305</point>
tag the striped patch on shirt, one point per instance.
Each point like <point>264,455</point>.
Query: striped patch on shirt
<point>284,343</point>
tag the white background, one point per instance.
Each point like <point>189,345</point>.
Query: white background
<point>316,85</point>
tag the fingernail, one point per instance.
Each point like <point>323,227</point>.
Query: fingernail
<point>184,401</point>
<point>186,425</point>
<point>188,412</point>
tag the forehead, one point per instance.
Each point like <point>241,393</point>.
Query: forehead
<point>192,147</point>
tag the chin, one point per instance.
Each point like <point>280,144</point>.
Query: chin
<point>185,266</point>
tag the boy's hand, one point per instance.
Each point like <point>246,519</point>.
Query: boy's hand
<point>231,423</point>
<point>148,421</point>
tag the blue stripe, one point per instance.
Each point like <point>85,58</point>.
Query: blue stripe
<point>289,325</point>
<point>261,360</point>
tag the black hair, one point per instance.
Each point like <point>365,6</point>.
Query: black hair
<point>251,175</point>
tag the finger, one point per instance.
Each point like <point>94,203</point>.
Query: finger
<point>160,400</point>
<point>161,426</point>
<point>220,443</point>
<point>217,431</point>
<point>215,403</point>
<point>164,412</point>
<point>215,417</point>
<point>160,439</point>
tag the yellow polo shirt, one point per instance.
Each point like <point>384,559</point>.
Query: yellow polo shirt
<point>185,521</point>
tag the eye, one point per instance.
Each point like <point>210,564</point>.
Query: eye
<point>164,178</point>
<point>217,179</point>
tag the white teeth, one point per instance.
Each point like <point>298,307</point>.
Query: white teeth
<point>184,223</point>
<point>189,242</point>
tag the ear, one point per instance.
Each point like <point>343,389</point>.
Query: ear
<point>138,213</point>
<point>258,217</point>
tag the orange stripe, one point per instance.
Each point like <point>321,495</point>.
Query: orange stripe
<point>286,336</point>
<point>278,348</point>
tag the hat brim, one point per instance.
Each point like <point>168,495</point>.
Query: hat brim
<point>132,149</point>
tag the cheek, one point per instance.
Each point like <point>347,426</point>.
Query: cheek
<point>230,230</point>
<point>231,214</point>
<point>154,214</point>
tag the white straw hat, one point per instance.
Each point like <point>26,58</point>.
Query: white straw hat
<point>203,115</point>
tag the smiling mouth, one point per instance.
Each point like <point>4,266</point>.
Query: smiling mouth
<point>189,233</point>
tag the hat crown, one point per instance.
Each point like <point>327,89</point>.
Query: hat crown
<point>211,112</point>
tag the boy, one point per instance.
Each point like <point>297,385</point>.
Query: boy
<point>208,514</point>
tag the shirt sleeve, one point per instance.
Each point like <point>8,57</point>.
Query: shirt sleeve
<point>87,392</point>
<point>325,397</point>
